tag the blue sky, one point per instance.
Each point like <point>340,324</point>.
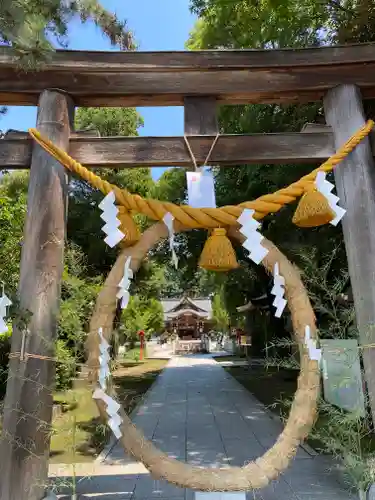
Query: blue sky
<point>157,25</point>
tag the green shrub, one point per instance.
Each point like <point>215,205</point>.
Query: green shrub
<point>65,366</point>
<point>134,354</point>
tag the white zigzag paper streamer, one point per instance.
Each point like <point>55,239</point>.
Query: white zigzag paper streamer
<point>168,221</point>
<point>124,284</point>
<point>112,407</point>
<point>4,303</point>
<point>103,360</point>
<point>325,187</point>
<point>109,215</point>
<point>315,354</point>
<point>249,229</point>
<point>278,291</point>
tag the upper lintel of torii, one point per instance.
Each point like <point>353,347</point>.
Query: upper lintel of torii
<point>166,78</point>
<point>200,81</point>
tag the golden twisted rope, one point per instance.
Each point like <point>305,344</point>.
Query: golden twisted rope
<point>203,217</point>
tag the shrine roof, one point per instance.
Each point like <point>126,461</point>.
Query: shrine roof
<point>202,306</point>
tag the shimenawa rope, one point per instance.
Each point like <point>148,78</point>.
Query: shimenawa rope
<point>203,217</point>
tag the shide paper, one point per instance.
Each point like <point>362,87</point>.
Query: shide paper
<point>253,240</point>
<point>104,358</point>
<point>124,284</point>
<point>278,291</point>
<point>4,303</point>
<point>109,215</point>
<point>112,407</point>
<point>315,354</point>
<point>325,188</point>
<point>168,221</point>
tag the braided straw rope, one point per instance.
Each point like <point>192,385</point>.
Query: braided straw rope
<point>252,475</point>
<point>207,218</point>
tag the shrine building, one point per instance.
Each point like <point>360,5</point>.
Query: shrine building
<point>188,318</point>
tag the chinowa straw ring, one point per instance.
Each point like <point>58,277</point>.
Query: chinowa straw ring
<point>302,415</point>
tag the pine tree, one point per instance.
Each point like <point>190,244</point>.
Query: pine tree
<point>30,26</point>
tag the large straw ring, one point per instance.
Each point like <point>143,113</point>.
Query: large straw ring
<point>302,414</point>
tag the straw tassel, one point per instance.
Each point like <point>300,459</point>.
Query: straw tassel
<point>218,253</point>
<point>313,210</point>
<point>128,227</point>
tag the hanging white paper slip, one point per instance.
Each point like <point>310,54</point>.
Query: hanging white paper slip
<point>214,495</point>
<point>201,189</point>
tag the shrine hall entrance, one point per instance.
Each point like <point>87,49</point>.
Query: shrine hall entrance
<point>187,318</point>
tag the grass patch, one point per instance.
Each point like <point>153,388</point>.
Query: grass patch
<point>83,441</point>
<point>77,434</point>
<point>230,358</point>
<point>133,355</point>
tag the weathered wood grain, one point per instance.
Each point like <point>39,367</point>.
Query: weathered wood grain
<point>28,401</point>
<point>171,151</point>
<point>200,116</point>
<point>124,62</point>
<point>355,183</point>
<point>294,79</point>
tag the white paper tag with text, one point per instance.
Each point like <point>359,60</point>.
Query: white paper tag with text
<point>201,189</point>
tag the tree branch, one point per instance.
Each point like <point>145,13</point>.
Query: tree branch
<point>111,26</point>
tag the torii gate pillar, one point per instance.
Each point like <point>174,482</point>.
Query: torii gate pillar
<point>28,402</point>
<point>355,183</point>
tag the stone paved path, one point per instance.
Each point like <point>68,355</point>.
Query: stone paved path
<point>198,413</point>
<point>155,350</point>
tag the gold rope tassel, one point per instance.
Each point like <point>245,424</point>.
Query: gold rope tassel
<point>218,253</point>
<point>128,227</point>
<point>313,210</point>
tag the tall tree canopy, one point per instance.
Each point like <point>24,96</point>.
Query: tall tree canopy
<point>260,24</point>
<point>272,24</point>
<point>31,26</point>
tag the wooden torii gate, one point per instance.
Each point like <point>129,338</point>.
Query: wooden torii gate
<point>200,81</point>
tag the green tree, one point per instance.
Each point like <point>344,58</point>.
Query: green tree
<point>257,24</point>
<point>219,313</point>
<point>109,121</point>
<point>267,24</point>
<point>13,204</point>
<point>281,23</point>
<point>84,222</point>
<point>78,290</point>
<point>154,314</point>
<point>171,186</point>
<point>78,296</point>
<point>31,26</point>
<point>141,314</point>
